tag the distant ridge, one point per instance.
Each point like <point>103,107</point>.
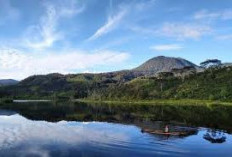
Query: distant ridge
<point>6,82</point>
<point>163,64</point>
<point>151,67</point>
<point>226,65</point>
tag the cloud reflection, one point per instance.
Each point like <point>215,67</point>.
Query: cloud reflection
<point>16,130</point>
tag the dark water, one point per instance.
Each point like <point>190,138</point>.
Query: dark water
<point>77,129</point>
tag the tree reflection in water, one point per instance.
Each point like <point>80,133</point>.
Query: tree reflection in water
<point>216,117</point>
<point>215,136</point>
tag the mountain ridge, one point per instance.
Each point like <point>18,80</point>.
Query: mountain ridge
<point>162,82</point>
<point>150,67</point>
<point>176,63</point>
<point>7,82</point>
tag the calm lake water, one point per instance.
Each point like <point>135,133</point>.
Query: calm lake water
<point>101,130</point>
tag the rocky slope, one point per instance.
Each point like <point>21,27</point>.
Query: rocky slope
<point>163,64</point>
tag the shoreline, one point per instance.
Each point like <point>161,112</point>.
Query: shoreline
<point>142,102</point>
<point>158,102</point>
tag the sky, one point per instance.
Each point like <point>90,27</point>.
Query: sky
<point>80,36</point>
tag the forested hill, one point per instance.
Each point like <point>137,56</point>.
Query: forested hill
<point>6,82</point>
<point>212,84</point>
<point>182,81</point>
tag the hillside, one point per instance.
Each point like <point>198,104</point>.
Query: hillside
<point>81,85</point>
<point>6,82</point>
<point>212,84</point>
<point>74,85</point>
<point>159,78</point>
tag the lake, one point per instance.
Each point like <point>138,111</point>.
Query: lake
<point>101,130</point>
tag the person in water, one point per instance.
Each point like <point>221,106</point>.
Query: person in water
<point>166,129</point>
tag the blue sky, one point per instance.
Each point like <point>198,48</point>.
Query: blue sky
<point>73,36</point>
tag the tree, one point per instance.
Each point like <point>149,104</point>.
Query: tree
<point>164,75</point>
<point>184,72</point>
<point>224,93</point>
<point>161,76</point>
<point>215,136</point>
<point>211,63</point>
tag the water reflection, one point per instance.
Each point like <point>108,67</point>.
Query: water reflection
<point>215,116</point>
<point>78,129</point>
<point>7,113</point>
<point>20,136</point>
<point>17,132</point>
<point>215,136</point>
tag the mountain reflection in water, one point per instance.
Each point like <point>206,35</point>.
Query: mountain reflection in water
<point>213,116</point>
<point>79,129</point>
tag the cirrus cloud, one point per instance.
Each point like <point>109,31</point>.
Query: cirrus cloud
<point>111,24</point>
<point>166,47</point>
<point>205,14</point>
<point>224,37</point>
<point>183,31</point>
<point>123,10</point>
<point>45,33</point>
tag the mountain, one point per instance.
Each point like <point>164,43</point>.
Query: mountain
<point>139,83</point>
<point>226,65</point>
<point>6,82</point>
<point>58,82</point>
<point>81,85</point>
<point>211,84</point>
<point>163,64</point>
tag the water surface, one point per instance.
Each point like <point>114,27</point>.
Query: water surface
<point>78,129</point>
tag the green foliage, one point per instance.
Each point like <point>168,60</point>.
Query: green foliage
<point>212,84</point>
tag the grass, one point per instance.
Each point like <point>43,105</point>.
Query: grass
<point>149,102</point>
<point>159,102</point>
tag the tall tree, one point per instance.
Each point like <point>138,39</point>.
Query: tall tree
<point>211,63</point>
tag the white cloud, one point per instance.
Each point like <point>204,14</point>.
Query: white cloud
<point>183,31</point>
<point>69,8</point>
<point>224,37</point>
<point>140,6</point>
<point>227,15</point>
<point>138,29</point>
<point>179,31</point>
<point>114,20</point>
<point>111,24</point>
<point>18,65</point>
<point>45,33</point>
<point>166,47</point>
<point>205,14</point>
